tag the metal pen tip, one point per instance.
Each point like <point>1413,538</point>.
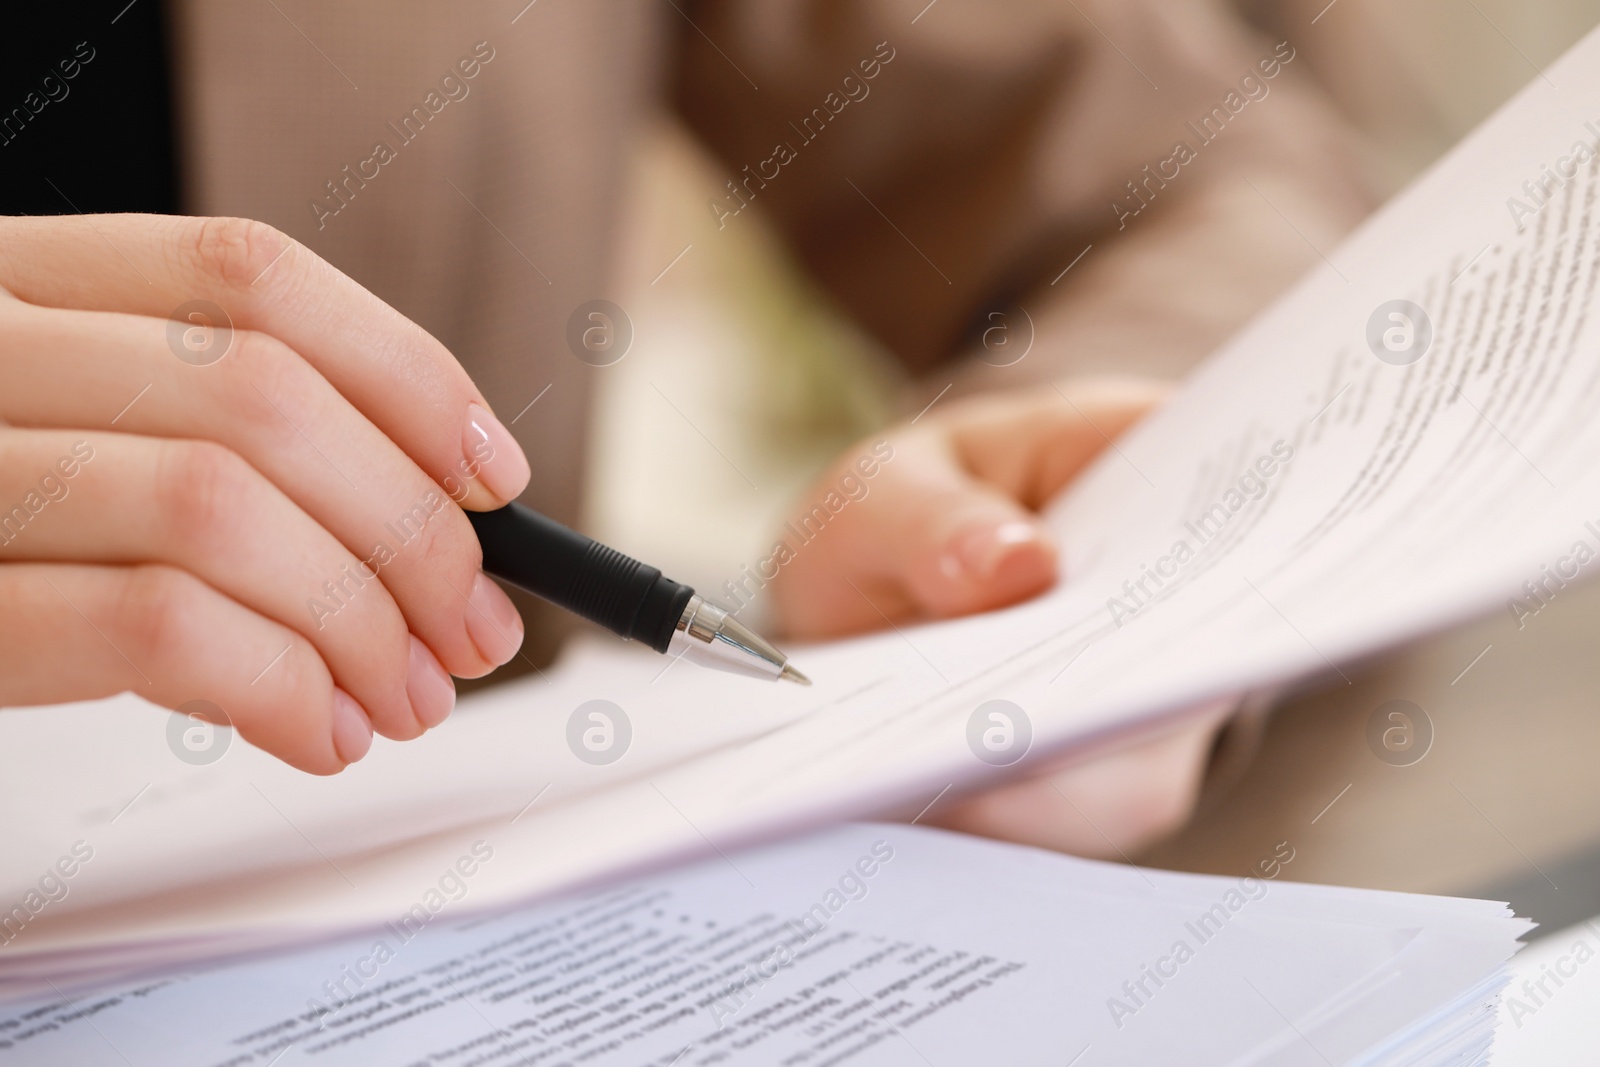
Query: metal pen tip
<point>793,675</point>
<point>711,636</point>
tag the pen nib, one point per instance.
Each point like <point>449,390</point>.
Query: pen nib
<point>710,635</point>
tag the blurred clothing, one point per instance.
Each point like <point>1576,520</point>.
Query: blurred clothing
<point>993,145</point>
<point>465,162</point>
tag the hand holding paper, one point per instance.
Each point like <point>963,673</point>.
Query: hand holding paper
<point>951,525</point>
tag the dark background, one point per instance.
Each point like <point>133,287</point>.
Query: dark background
<point>108,144</point>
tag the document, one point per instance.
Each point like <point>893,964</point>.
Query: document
<point>1404,440</point>
<point>864,945</point>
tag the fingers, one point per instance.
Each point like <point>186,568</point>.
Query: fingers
<point>274,477</point>
<point>947,526</point>
<point>1108,808</point>
<point>197,506</point>
<point>1031,444</point>
<point>76,632</point>
<point>272,408</point>
<point>403,380</point>
<point>927,539</point>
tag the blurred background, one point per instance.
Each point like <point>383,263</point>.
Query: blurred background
<point>740,366</point>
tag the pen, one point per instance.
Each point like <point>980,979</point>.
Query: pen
<point>620,593</point>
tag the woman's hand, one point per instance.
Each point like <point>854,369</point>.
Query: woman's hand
<point>228,476</point>
<point>949,526</point>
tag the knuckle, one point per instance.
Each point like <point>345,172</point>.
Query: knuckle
<point>236,251</point>
<point>272,390</point>
<point>166,618</point>
<point>155,612</point>
<point>443,540</point>
<point>202,488</point>
<point>301,678</point>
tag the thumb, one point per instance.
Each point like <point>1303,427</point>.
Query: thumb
<point>921,538</point>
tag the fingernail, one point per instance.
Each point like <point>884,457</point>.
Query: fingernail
<point>352,730</point>
<point>432,692</point>
<point>493,456</point>
<point>977,553</point>
<point>493,622</point>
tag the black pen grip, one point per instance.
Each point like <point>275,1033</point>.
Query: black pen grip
<point>580,574</point>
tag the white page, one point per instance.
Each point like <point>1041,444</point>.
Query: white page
<point>1548,1011</point>
<point>1406,506</point>
<point>899,945</point>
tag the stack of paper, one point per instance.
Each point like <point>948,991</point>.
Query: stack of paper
<point>865,945</point>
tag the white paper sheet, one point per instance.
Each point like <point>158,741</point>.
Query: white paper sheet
<point>1548,1010</point>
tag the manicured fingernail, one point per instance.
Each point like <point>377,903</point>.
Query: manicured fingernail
<point>493,622</point>
<point>432,692</point>
<point>976,553</point>
<point>493,455</point>
<point>352,730</point>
